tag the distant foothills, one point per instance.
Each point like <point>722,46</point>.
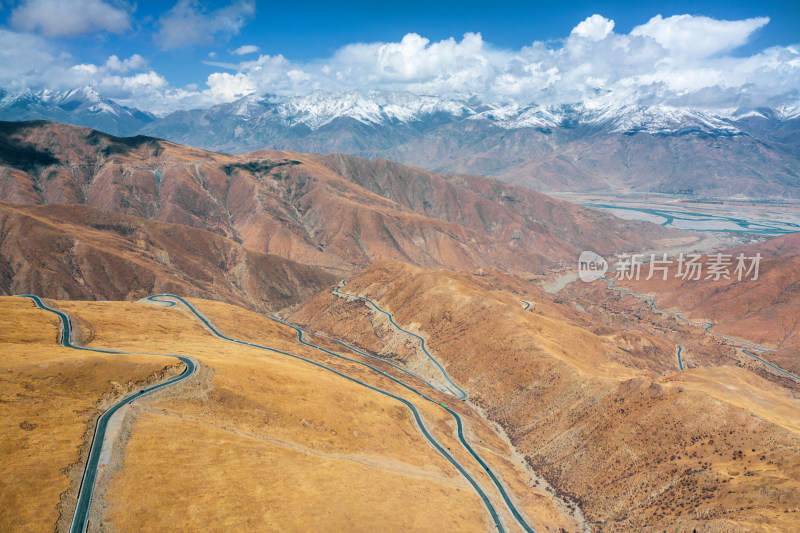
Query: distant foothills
<point>592,146</point>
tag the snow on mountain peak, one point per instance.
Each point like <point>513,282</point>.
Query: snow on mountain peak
<point>83,106</point>
<point>318,109</point>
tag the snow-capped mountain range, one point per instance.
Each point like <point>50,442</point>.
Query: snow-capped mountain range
<point>320,109</point>
<point>83,107</point>
<point>588,145</point>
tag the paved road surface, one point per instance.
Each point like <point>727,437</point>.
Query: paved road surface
<point>707,327</point>
<point>509,503</point>
<point>458,392</point>
<point>81,518</point>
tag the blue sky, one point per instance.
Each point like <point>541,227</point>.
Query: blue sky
<point>174,54</point>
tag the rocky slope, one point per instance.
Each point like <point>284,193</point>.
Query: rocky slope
<point>764,311</point>
<point>333,212</point>
<point>583,147</point>
<point>82,253</point>
<point>601,413</point>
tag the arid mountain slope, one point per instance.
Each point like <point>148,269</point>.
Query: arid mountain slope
<point>307,447</point>
<point>589,146</point>
<point>49,400</point>
<point>334,212</point>
<point>79,252</point>
<point>592,160</point>
<point>601,413</point>
<point>765,311</point>
<point>580,147</point>
<point>517,215</point>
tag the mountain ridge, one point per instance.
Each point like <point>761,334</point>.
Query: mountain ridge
<point>337,213</point>
<point>588,147</point>
<point>320,108</point>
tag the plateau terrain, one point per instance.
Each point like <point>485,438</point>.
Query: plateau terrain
<point>499,267</point>
<point>591,146</point>
<point>284,341</point>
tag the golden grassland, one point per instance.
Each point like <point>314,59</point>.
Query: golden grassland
<point>537,505</point>
<point>49,397</point>
<point>737,386</point>
<point>262,441</point>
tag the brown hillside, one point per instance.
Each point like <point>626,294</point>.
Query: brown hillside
<point>765,311</point>
<point>335,212</point>
<point>595,410</point>
<point>78,252</point>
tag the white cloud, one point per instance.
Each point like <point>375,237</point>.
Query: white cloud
<point>55,18</point>
<point>110,80</point>
<point>594,28</point>
<point>23,56</point>
<point>223,86</point>
<point>650,65</point>
<point>688,35</point>
<point>135,62</point>
<point>245,50</point>
<point>414,59</point>
<point>188,23</point>
<point>122,87</point>
<point>29,61</point>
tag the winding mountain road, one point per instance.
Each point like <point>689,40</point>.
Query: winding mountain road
<point>707,327</point>
<point>458,392</point>
<point>81,518</point>
<point>459,424</point>
<point>164,298</point>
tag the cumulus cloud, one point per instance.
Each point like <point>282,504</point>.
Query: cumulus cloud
<point>681,60</point>
<point>678,60</point>
<point>416,60</point>
<point>226,87</point>
<point>135,62</point>
<point>29,61</point>
<point>23,56</point>
<point>245,50</point>
<point>56,18</point>
<point>594,28</point>
<point>688,35</point>
<point>188,23</point>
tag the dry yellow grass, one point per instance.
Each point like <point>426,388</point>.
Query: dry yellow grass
<point>48,398</point>
<point>232,481</point>
<point>260,441</point>
<point>538,507</point>
<point>744,389</point>
<point>280,391</point>
<point>642,452</point>
<point>362,458</point>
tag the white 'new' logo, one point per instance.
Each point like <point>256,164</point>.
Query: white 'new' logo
<point>591,266</point>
